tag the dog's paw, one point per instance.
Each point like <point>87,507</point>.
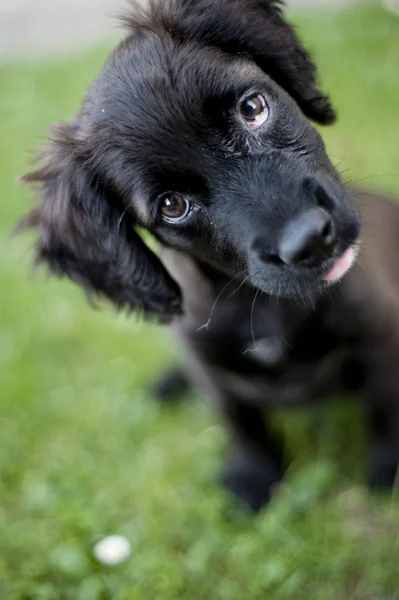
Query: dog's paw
<point>252,481</point>
<point>383,470</point>
<point>171,386</point>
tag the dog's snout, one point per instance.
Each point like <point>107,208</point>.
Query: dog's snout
<point>308,239</point>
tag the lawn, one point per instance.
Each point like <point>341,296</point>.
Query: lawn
<point>85,451</point>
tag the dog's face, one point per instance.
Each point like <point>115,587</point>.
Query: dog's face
<point>197,130</point>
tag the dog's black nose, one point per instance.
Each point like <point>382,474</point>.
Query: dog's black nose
<point>309,239</point>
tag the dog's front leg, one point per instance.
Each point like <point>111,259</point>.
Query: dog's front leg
<point>382,405</point>
<point>256,461</point>
<point>384,451</point>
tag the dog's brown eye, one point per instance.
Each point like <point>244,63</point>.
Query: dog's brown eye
<point>254,111</point>
<point>175,208</point>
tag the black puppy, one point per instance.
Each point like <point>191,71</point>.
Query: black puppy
<point>197,130</point>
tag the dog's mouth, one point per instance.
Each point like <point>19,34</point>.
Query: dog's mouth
<point>341,265</point>
<point>291,282</point>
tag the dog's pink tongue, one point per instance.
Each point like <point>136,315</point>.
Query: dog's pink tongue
<point>341,266</point>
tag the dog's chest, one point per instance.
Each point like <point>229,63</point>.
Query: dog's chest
<point>289,356</point>
<point>273,353</point>
<point>277,334</point>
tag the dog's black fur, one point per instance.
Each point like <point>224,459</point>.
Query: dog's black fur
<point>164,116</point>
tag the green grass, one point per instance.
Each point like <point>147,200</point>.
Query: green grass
<point>84,451</point>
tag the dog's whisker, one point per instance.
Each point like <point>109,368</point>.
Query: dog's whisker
<point>241,284</point>
<point>128,207</point>
<point>372,177</point>
<point>361,265</point>
<point>208,322</point>
<point>252,317</point>
<point>278,294</point>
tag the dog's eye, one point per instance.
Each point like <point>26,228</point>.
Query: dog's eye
<point>255,111</point>
<point>175,208</point>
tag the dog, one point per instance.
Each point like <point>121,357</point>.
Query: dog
<point>198,130</point>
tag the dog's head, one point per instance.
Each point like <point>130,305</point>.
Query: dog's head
<point>197,130</point>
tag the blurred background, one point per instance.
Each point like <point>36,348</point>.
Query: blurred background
<point>85,452</point>
<point>53,25</point>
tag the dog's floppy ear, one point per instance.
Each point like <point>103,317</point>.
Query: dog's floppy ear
<point>85,234</point>
<point>255,28</point>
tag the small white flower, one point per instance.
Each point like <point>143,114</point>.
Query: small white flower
<point>112,550</point>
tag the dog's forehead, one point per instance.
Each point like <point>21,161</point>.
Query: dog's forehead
<point>165,61</point>
<point>158,85</point>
